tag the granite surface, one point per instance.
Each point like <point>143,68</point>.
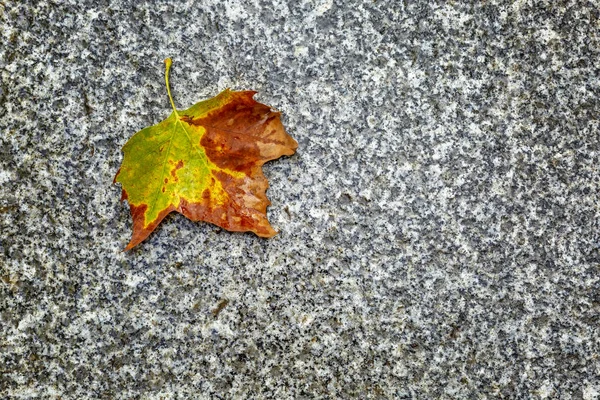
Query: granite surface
<point>438,225</point>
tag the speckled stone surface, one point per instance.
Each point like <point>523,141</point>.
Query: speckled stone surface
<point>438,225</point>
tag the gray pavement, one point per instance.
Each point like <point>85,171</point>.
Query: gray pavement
<point>438,224</point>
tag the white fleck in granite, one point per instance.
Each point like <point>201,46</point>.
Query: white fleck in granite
<point>439,225</point>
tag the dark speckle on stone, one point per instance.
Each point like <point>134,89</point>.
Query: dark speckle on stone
<point>438,226</point>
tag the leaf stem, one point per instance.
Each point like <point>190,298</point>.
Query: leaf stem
<point>168,63</point>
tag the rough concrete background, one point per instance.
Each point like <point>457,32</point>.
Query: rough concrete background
<point>438,225</point>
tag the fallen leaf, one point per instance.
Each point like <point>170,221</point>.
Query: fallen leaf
<point>205,163</point>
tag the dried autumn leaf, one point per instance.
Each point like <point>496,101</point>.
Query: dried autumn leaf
<point>204,162</point>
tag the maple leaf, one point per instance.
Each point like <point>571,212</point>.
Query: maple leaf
<point>205,163</point>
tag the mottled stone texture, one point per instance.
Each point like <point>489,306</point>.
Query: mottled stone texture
<point>438,225</point>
